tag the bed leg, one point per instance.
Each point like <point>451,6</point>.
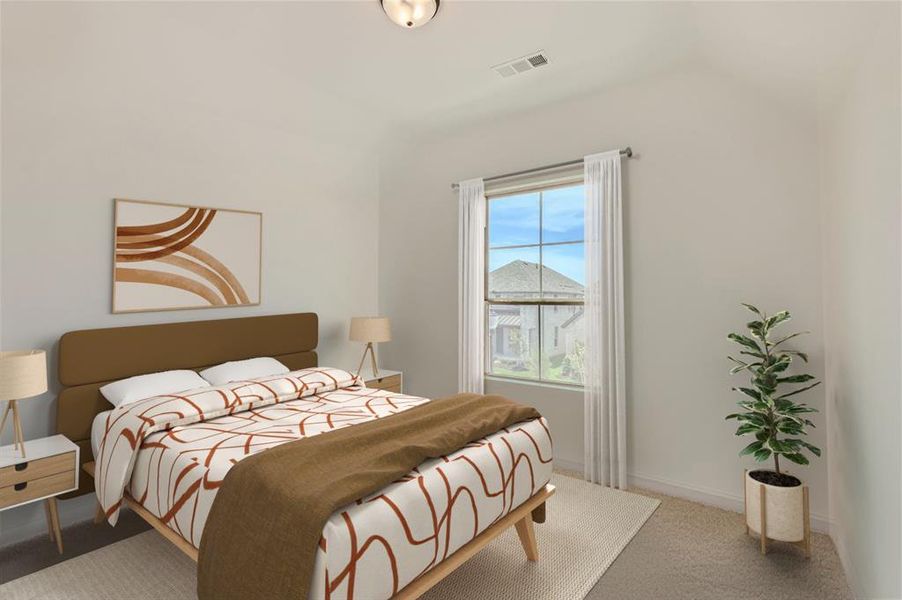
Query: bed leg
<point>538,513</point>
<point>528,538</point>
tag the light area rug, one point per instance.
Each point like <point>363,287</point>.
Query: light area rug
<point>586,529</point>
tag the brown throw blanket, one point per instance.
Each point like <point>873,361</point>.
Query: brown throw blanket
<point>262,533</point>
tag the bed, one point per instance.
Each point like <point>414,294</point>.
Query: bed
<point>396,542</point>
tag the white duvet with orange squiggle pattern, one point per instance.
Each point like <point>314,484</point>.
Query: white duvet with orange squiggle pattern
<point>370,549</point>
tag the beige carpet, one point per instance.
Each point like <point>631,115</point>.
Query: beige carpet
<point>688,551</point>
<point>587,527</point>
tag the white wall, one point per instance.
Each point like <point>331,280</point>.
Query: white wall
<point>94,108</point>
<point>721,206</point>
<point>861,184</point>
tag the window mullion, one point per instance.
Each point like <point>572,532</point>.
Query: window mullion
<point>541,241</point>
<point>541,283</point>
<point>518,246</point>
<point>541,332</point>
<point>531,301</point>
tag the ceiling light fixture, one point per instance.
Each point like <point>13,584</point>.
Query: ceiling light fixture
<point>410,13</point>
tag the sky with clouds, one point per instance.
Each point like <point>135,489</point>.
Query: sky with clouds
<point>514,220</point>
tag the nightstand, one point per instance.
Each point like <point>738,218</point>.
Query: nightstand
<point>50,468</point>
<point>390,381</point>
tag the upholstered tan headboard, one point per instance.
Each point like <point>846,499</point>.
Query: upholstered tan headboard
<point>90,358</point>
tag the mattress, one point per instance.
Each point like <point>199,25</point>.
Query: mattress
<point>377,544</point>
<point>97,429</point>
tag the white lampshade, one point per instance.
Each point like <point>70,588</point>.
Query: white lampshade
<point>370,329</point>
<point>23,374</point>
<point>410,13</point>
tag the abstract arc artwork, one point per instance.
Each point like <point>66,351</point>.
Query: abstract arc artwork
<point>170,257</point>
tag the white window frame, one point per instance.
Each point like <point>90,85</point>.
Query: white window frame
<point>540,184</point>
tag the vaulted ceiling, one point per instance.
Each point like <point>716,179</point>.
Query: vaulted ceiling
<point>344,67</point>
<point>439,75</point>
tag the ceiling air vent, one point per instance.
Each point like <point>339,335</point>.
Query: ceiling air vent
<point>522,64</point>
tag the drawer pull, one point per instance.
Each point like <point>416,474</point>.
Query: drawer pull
<point>20,486</point>
<point>21,466</point>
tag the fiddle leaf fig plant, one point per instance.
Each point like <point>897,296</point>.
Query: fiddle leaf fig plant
<point>770,412</point>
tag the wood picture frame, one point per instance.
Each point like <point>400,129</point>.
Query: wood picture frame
<point>180,257</point>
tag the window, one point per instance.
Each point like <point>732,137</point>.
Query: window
<point>535,276</point>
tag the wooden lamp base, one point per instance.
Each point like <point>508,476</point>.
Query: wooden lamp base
<point>372,353</point>
<point>19,439</point>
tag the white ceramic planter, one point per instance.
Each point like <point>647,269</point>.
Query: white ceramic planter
<point>785,514</point>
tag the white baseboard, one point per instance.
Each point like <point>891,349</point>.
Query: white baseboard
<point>841,550</point>
<point>708,496</point>
<point>17,525</point>
<point>702,495</point>
<point>562,463</point>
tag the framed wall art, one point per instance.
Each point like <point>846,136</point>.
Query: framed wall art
<point>171,257</point>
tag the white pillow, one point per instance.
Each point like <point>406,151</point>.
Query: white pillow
<point>242,370</point>
<point>139,387</point>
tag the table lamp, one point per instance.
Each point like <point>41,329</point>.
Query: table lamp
<point>23,374</point>
<point>370,330</point>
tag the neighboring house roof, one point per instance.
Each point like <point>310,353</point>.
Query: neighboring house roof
<point>522,278</point>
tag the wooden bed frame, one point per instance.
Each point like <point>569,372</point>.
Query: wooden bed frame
<point>88,359</point>
<point>521,518</point>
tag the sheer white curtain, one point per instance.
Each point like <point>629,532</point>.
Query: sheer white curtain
<point>605,360</point>
<point>471,275</point>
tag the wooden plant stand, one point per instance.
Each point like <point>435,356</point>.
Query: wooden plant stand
<point>804,543</point>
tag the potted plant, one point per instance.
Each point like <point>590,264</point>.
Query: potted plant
<point>776,503</point>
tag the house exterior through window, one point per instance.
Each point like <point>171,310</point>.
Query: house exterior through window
<point>535,275</point>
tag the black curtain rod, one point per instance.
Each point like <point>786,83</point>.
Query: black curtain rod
<point>627,152</point>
